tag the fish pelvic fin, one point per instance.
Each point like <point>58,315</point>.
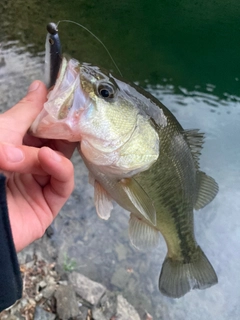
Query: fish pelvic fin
<point>178,278</point>
<point>103,201</point>
<point>142,235</point>
<point>207,190</point>
<point>139,199</point>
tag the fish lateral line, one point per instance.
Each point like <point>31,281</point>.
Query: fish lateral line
<point>100,41</point>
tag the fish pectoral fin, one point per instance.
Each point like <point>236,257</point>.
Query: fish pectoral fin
<point>103,202</point>
<point>177,278</point>
<point>139,199</point>
<point>91,178</point>
<point>207,190</point>
<point>142,235</point>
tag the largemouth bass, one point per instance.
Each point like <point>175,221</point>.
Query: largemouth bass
<point>139,155</point>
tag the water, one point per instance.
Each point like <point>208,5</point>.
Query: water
<point>186,53</point>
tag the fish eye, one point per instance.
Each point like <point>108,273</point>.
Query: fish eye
<point>106,90</point>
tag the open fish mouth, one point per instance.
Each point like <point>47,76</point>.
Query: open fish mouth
<point>60,114</point>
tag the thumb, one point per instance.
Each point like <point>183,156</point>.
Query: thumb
<point>25,111</point>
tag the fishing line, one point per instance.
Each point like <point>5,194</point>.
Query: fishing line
<point>80,25</point>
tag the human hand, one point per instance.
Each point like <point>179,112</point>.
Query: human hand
<point>39,180</point>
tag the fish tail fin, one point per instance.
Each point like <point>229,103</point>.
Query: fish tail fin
<point>177,278</point>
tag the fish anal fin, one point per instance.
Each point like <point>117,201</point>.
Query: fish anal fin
<point>195,142</point>
<point>103,202</point>
<point>139,199</point>
<point>207,190</point>
<point>142,235</point>
<point>177,278</point>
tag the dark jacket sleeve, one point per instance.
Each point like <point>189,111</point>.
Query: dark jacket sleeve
<point>10,277</point>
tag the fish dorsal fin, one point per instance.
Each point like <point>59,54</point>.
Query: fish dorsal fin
<point>142,235</point>
<point>207,190</point>
<point>103,202</point>
<point>195,141</point>
<point>139,199</point>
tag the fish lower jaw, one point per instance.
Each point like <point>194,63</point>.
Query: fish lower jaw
<point>55,130</point>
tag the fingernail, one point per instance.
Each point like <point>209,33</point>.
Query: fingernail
<point>12,153</point>
<point>55,156</point>
<point>33,86</point>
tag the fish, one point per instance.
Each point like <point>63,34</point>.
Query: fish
<point>138,155</point>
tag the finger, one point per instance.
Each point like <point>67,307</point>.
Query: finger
<point>62,178</point>
<point>21,116</point>
<point>21,159</point>
<point>65,147</point>
<point>31,141</point>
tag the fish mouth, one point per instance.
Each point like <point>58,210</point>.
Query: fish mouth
<point>65,102</point>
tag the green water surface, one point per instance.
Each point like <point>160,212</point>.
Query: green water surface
<point>186,43</point>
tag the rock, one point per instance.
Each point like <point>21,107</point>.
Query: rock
<point>53,273</point>
<point>143,267</point>
<point>112,306</point>
<point>148,316</point>
<point>28,258</point>
<point>50,231</point>
<point>67,305</point>
<point>121,251</point>
<point>106,308</point>
<point>63,282</point>
<point>8,317</point>
<point>48,291</point>
<point>61,272</point>
<point>125,310</point>
<point>87,289</point>
<point>120,278</point>
<point>50,280</point>
<point>41,285</point>
<point>83,313</point>
<point>38,297</point>
<point>31,301</point>
<point>27,252</point>
<point>29,264</point>
<point>41,314</point>
<point>23,302</point>
<point>17,316</point>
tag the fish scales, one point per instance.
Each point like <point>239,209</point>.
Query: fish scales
<point>173,199</point>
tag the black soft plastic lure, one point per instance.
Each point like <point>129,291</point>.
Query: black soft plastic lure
<point>52,54</point>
